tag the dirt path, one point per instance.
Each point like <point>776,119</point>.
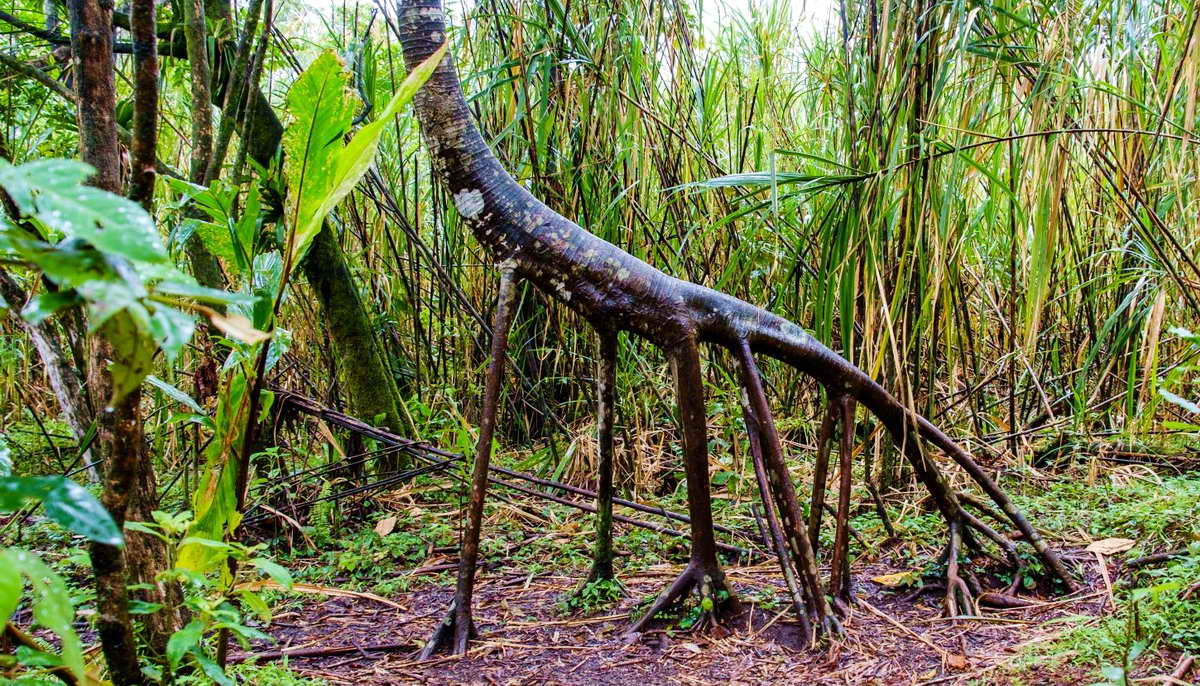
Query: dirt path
<point>523,640</point>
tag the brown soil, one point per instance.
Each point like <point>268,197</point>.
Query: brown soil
<point>888,639</point>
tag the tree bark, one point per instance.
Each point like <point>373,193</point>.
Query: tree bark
<point>145,104</point>
<point>362,369</point>
<point>64,377</point>
<point>205,267</point>
<point>91,48</point>
<point>119,429</point>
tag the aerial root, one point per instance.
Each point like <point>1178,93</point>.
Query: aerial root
<point>839,575</point>
<point>777,491</point>
<point>446,636</point>
<point>820,478</point>
<point>958,599</point>
<point>778,540</point>
<point>708,584</point>
<point>459,627</point>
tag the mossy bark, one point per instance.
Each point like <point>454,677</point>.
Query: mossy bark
<point>362,369</point>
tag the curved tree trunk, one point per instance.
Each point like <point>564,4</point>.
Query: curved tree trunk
<point>619,292</point>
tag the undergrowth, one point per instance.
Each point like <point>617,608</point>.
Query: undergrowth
<point>1158,611</point>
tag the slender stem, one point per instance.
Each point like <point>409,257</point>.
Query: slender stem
<point>840,565</point>
<point>235,91</point>
<point>777,538</point>
<point>689,394</point>
<point>483,455</point>
<point>820,479</point>
<point>606,380</point>
<point>782,485</point>
<point>197,48</point>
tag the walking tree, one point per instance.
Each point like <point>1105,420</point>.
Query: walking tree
<point>616,292</point>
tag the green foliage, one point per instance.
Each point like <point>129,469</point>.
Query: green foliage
<point>321,516</point>
<point>592,597</point>
<point>75,509</point>
<point>1185,379</point>
<point>1156,610</point>
<point>273,674</point>
<point>51,602</point>
<point>319,168</point>
<point>65,502</point>
<point>1156,513</point>
<point>104,252</point>
<point>210,593</point>
<point>53,193</point>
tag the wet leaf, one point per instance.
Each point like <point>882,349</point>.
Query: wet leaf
<point>897,579</point>
<point>385,526</point>
<point>1111,546</point>
<point>53,191</point>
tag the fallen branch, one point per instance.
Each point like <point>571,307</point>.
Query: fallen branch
<point>269,655</point>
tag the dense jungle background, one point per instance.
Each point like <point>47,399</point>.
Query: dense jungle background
<point>243,352</point>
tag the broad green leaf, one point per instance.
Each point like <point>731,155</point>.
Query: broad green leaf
<point>10,586</point>
<point>214,500</point>
<point>171,329</point>
<point>76,510</point>
<point>216,238</point>
<point>132,354</point>
<point>31,657</point>
<point>53,192</point>
<point>16,491</point>
<point>109,297</point>
<point>200,293</point>
<point>52,606</point>
<point>67,503</point>
<point>183,641</point>
<point>318,189</point>
<point>207,543</point>
<point>45,305</point>
<point>256,604</point>
<point>213,670</point>
<point>141,607</point>
<point>277,572</point>
<point>321,105</point>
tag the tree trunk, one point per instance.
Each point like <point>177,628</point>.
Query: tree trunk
<point>362,370</point>
<point>119,430</point>
<point>147,556</point>
<point>615,291</point>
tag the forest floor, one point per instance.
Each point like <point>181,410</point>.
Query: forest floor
<point>890,638</point>
<point>374,575</point>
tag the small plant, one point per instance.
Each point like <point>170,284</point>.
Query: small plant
<point>68,504</point>
<point>1133,646</point>
<point>321,517</point>
<point>210,593</point>
<point>592,597</point>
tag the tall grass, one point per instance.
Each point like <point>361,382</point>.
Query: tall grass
<point>989,205</point>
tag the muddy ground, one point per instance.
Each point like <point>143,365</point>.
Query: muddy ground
<point>890,638</point>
